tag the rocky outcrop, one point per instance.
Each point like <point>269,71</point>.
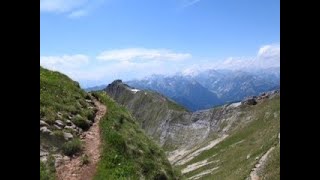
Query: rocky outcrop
<point>250,101</point>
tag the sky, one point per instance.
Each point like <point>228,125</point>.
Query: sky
<point>97,41</point>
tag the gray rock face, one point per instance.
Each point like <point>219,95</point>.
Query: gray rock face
<point>66,158</point>
<point>59,114</point>
<point>43,123</point>
<point>250,101</point>
<point>59,123</point>
<point>43,153</point>
<point>45,130</point>
<point>58,160</point>
<point>57,127</point>
<point>67,136</point>
<point>69,123</point>
<point>89,101</point>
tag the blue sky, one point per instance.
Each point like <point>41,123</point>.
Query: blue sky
<point>97,41</point>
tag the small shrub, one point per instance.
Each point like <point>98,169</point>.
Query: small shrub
<point>161,176</point>
<point>58,134</point>
<point>72,147</point>
<point>47,170</point>
<point>85,159</point>
<point>90,114</point>
<point>122,118</point>
<point>81,122</point>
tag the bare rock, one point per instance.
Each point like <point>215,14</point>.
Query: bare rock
<point>89,101</point>
<point>58,161</point>
<point>80,131</point>
<point>59,114</point>
<point>57,127</point>
<point>69,123</point>
<point>248,156</point>
<point>250,101</point>
<point>44,129</point>
<point>66,158</point>
<point>67,136</point>
<point>44,159</point>
<point>43,153</point>
<point>43,123</point>
<point>59,123</point>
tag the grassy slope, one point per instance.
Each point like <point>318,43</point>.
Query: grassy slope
<point>58,93</point>
<point>255,138</point>
<point>127,152</point>
<point>271,170</point>
<point>149,108</point>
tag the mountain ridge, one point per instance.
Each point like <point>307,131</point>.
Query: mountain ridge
<point>209,88</point>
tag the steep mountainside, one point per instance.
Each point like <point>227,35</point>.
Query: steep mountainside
<point>67,114</point>
<point>224,142</point>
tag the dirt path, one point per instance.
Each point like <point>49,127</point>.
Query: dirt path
<point>254,174</point>
<point>72,170</point>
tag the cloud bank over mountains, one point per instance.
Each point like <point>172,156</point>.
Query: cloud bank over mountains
<point>133,63</point>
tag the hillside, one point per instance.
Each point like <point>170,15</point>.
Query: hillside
<point>69,121</point>
<point>129,154</point>
<point>209,143</point>
<point>235,153</point>
<point>65,112</point>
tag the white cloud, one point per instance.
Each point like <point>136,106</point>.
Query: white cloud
<point>65,62</point>
<point>187,3</point>
<point>78,13</point>
<point>60,5</point>
<point>269,51</point>
<point>141,54</point>
<point>268,56</point>
<point>70,8</point>
<point>133,63</point>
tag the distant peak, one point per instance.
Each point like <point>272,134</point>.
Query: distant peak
<point>118,81</point>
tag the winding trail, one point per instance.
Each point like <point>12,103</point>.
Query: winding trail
<point>261,162</point>
<point>72,169</point>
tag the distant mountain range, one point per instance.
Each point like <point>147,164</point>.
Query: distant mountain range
<point>209,88</point>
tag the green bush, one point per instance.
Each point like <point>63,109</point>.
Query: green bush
<point>72,147</point>
<point>46,171</point>
<point>85,159</point>
<point>58,134</point>
<point>81,122</point>
<point>90,114</point>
